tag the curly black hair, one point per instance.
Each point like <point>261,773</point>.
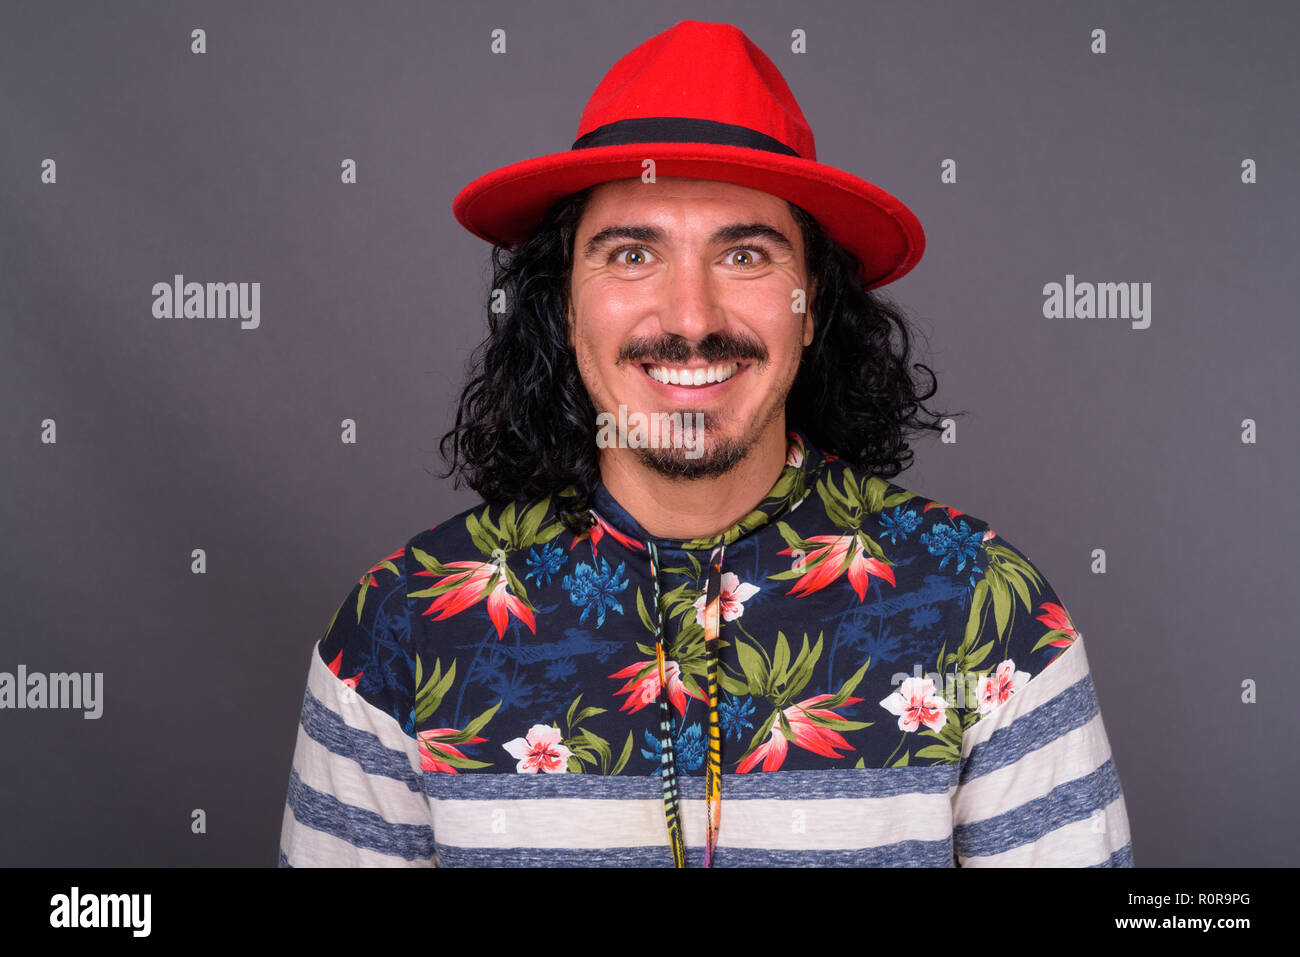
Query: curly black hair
<point>525,426</point>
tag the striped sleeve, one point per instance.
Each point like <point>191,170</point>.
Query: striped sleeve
<point>1037,786</point>
<point>354,797</point>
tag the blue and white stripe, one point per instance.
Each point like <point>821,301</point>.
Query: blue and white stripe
<point>355,796</point>
<point>1036,786</point>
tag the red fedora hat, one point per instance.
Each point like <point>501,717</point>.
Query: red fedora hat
<point>703,102</point>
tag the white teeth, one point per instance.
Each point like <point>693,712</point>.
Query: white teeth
<point>693,377</point>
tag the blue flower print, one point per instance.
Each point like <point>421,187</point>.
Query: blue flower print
<point>959,543</point>
<point>734,715</point>
<point>543,566</point>
<point>688,748</point>
<point>900,523</point>
<point>595,587</point>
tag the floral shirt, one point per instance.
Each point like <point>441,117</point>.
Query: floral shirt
<point>896,685</point>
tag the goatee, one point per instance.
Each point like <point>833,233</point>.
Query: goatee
<point>674,463</point>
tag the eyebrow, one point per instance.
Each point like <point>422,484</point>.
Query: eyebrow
<point>734,232</point>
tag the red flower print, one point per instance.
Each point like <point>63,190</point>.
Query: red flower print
<point>474,581</point>
<point>916,703</point>
<point>832,549</point>
<point>350,682</point>
<point>1058,619</point>
<point>597,531</point>
<point>997,687</point>
<point>432,749</point>
<point>808,735</point>
<point>644,690</point>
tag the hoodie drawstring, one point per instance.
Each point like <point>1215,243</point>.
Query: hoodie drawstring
<point>713,768</point>
<point>713,771</point>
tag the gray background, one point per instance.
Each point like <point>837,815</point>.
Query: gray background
<point>176,434</point>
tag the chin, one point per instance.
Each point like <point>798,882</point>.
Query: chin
<point>717,459</point>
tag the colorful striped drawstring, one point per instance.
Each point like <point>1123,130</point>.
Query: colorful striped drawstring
<point>713,767</point>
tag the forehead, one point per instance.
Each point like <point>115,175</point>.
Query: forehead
<point>680,203</point>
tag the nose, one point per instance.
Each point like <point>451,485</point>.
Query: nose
<point>691,306</point>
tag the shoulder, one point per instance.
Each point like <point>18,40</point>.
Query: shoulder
<point>368,644</point>
<point>448,581</point>
<point>1015,627</point>
<point>1012,623</point>
<point>469,547</point>
<point>477,564</point>
<point>486,533</point>
<point>1014,610</point>
<point>896,523</point>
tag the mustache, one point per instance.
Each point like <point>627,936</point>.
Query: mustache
<point>713,348</point>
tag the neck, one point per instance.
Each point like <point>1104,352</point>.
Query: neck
<point>695,508</point>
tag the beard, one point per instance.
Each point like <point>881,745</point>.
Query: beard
<point>688,458</point>
<point>719,459</point>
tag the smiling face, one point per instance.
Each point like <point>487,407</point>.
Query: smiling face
<point>682,301</point>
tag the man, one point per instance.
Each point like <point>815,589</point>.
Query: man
<point>693,624</point>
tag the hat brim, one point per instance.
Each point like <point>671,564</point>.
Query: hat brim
<point>506,205</point>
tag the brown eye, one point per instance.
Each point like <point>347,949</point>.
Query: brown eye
<point>748,260</point>
<point>618,256</point>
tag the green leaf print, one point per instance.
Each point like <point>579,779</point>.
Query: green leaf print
<point>429,695</point>
<point>585,746</point>
<point>474,727</point>
<point>622,759</point>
